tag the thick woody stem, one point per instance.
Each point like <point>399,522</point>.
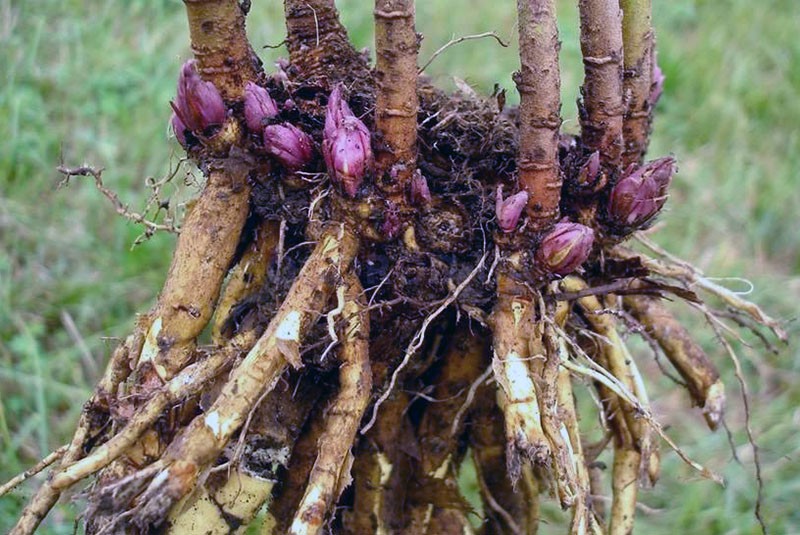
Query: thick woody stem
<point>219,42</point>
<point>331,472</point>
<point>318,43</point>
<point>601,45</point>
<point>692,363</point>
<point>538,82</point>
<point>637,39</point>
<point>396,102</point>
<point>205,250</point>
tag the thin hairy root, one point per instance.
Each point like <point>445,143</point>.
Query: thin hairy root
<point>637,38</point>
<point>204,252</point>
<point>539,84</point>
<point>201,442</point>
<point>396,102</point>
<point>513,326</point>
<point>700,374</point>
<point>624,486</point>
<point>439,458</point>
<point>674,268</point>
<point>331,472</point>
<point>246,277</point>
<point>603,108</point>
<point>219,42</point>
<point>318,43</point>
<point>33,470</point>
<point>506,510</point>
<point>380,472</point>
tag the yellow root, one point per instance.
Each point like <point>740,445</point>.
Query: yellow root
<point>331,472</point>
<point>513,326</point>
<point>700,374</point>
<point>247,276</point>
<point>201,442</point>
<point>205,249</point>
<point>624,485</point>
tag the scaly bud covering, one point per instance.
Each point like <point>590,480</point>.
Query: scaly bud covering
<point>198,103</point>
<point>179,129</point>
<point>509,210</point>
<point>565,248</point>
<point>590,171</point>
<point>641,194</point>
<point>657,87</point>
<point>288,144</point>
<point>420,193</point>
<point>346,144</point>
<point>258,106</point>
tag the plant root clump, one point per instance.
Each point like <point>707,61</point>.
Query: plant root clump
<point>397,281</point>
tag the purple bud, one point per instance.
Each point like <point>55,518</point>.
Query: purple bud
<point>288,144</point>
<point>179,129</point>
<point>657,86</point>
<point>346,144</point>
<point>420,193</point>
<point>392,224</point>
<point>509,210</point>
<point>641,194</point>
<point>590,171</point>
<point>198,103</point>
<point>258,106</point>
<point>565,248</point>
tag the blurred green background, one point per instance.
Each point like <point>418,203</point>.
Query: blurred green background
<point>90,81</point>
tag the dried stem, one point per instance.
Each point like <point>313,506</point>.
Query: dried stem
<point>601,44</point>
<point>637,39</point>
<point>396,102</point>
<point>219,42</point>
<point>538,82</point>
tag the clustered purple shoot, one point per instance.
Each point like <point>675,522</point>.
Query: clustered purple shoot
<point>346,144</point>
<point>509,210</point>
<point>641,193</point>
<point>198,104</point>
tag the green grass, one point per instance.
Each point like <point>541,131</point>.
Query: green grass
<point>90,81</point>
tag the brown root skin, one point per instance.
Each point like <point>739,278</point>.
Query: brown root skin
<point>396,103</point>
<point>205,250</point>
<point>637,38</point>
<point>601,45</point>
<point>694,366</point>
<point>539,85</point>
<point>219,42</point>
<point>319,48</point>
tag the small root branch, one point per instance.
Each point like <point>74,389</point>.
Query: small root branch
<point>700,374</point>
<point>331,472</point>
<point>33,470</point>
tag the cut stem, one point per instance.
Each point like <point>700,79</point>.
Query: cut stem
<point>220,45</point>
<point>396,102</point>
<point>539,84</point>
<point>603,109</point>
<point>637,39</point>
